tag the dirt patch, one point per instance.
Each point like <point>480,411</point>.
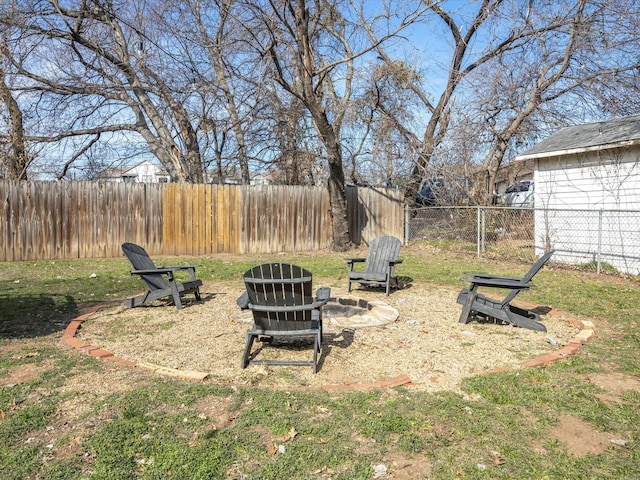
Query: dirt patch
<point>24,373</point>
<point>403,467</point>
<point>580,437</point>
<point>426,341</point>
<point>614,385</point>
<point>216,410</point>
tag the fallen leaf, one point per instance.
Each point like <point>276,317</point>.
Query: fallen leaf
<point>290,436</point>
<point>496,458</point>
<point>272,449</point>
<point>322,470</point>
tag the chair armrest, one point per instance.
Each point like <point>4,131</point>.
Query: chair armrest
<point>395,262</point>
<point>175,268</point>
<point>182,267</point>
<point>243,301</point>
<point>498,283</point>
<point>161,270</point>
<point>323,293</point>
<point>488,275</point>
<point>352,261</point>
<point>355,260</point>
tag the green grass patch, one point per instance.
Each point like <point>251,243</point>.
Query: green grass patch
<point>499,427</point>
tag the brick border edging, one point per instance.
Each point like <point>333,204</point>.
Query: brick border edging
<point>69,338</point>
<point>587,330</point>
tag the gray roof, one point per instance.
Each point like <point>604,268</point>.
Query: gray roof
<point>618,132</point>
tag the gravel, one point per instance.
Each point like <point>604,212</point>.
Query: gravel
<point>426,342</point>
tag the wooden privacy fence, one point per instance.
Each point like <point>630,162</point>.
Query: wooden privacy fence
<point>57,220</point>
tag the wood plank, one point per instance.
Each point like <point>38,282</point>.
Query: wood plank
<point>72,224</point>
<point>197,245</point>
<point>230,214</point>
<point>60,196</point>
<point>81,222</point>
<point>234,231</point>
<point>91,220</point>
<point>111,209</point>
<point>119,210</point>
<point>243,223</point>
<point>168,220</point>
<point>223,222</point>
<point>180,214</point>
<point>211,218</point>
<point>105,223</point>
<point>131,210</point>
<point>154,205</point>
<point>18,212</point>
<point>29,212</point>
<point>7,245</point>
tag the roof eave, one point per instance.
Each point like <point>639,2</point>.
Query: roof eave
<point>575,151</point>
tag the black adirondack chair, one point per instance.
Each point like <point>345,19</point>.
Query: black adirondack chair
<point>379,265</point>
<point>474,304</point>
<point>281,299</point>
<point>160,281</point>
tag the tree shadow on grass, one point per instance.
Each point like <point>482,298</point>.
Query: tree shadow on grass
<point>35,315</point>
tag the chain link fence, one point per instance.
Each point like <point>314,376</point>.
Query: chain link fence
<point>600,241</point>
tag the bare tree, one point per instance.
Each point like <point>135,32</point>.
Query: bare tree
<point>391,107</point>
<point>288,85</point>
<point>295,157</point>
<point>312,49</point>
<point>292,35</point>
<point>99,56</point>
<point>464,30</point>
<point>215,23</point>
<point>481,36</point>
<point>569,65</point>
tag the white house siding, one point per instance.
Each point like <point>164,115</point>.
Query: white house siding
<point>147,172</point>
<point>589,207</point>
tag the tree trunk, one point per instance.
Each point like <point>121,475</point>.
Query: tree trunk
<point>16,160</point>
<point>341,239</point>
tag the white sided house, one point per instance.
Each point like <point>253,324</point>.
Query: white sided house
<point>587,193</point>
<point>144,172</point>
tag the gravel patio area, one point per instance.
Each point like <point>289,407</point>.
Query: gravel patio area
<point>425,341</point>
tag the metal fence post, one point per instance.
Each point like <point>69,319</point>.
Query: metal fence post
<point>599,252</point>
<point>478,227</point>
<point>483,238</point>
<point>407,224</point>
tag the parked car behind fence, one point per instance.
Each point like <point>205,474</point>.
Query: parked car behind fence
<point>519,194</point>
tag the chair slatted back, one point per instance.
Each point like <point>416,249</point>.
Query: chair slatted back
<point>140,260</point>
<point>280,285</point>
<point>529,275</point>
<point>381,251</point>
